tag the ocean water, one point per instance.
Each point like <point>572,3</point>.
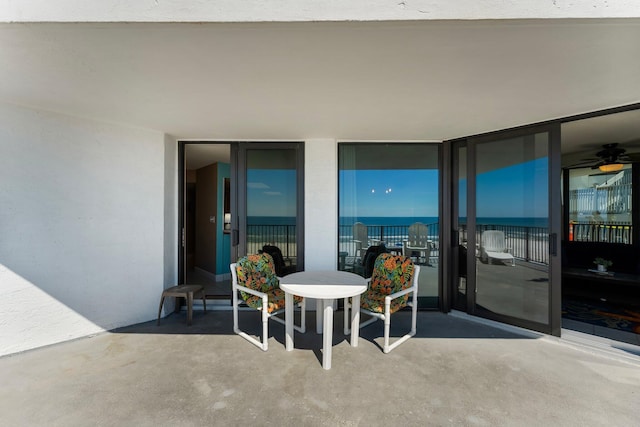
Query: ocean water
<point>398,221</point>
<point>271,220</point>
<point>403,221</point>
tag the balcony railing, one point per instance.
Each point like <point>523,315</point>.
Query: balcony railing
<point>391,235</point>
<point>609,232</point>
<point>529,244</point>
<point>282,236</point>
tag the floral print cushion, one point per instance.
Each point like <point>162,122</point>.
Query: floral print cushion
<point>258,272</point>
<point>275,301</point>
<point>391,273</point>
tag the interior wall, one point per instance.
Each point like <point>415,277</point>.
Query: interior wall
<point>206,218</point>
<point>82,226</point>
<point>223,240</point>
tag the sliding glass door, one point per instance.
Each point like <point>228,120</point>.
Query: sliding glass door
<point>268,201</point>
<point>389,201</point>
<point>507,216</point>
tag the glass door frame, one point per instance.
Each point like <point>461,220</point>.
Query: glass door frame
<point>553,326</point>
<point>450,229</point>
<point>239,195</point>
<point>181,202</point>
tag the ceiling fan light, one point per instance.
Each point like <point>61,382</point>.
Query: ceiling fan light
<point>611,167</point>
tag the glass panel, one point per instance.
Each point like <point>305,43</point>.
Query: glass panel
<point>384,189</point>
<point>600,205</point>
<point>271,205</point>
<point>512,227</point>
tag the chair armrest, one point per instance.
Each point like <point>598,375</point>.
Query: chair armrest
<point>400,293</point>
<point>251,291</point>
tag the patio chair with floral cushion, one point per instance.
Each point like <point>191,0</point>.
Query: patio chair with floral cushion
<point>254,278</point>
<point>394,278</point>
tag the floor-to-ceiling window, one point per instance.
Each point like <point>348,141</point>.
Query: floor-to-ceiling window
<point>506,221</point>
<point>389,195</point>
<point>269,209</point>
<point>512,227</point>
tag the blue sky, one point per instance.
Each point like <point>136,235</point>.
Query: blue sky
<point>389,193</point>
<point>271,192</point>
<point>515,191</point>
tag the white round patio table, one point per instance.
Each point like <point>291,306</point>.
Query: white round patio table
<point>325,286</point>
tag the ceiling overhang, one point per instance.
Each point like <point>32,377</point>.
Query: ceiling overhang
<point>432,80</point>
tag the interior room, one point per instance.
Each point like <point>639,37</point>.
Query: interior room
<point>600,220</point>
<point>207,218</point>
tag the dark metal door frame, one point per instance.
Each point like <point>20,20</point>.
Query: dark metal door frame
<point>239,195</point>
<point>555,209</point>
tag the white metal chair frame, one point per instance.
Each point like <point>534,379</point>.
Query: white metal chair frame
<point>493,246</point>
<point>361,239</point>
<point>418,241</point>
<point>263,344</point>
<point>386,316</point>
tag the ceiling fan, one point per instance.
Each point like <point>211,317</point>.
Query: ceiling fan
<point>610,158</point>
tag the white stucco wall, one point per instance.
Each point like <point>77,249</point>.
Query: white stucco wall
<point>82,220</point>
<point>305,10</point>
<point>170,211</point>
<point>321,204</point>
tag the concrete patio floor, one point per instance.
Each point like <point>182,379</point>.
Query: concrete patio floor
<point>454,372</point>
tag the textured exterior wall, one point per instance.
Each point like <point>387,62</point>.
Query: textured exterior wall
<point>306,10</point>
<point>82,220</point>
<point>170,211</point>
<point>321,204</point>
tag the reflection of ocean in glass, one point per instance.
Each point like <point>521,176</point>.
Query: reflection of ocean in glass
<point>404,221</point>
<point>387,220</point>
<point>377,220</point>
<point>515,221</point>
<point>279,231</point>
<point>271,220</point>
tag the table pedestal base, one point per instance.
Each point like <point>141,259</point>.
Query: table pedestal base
<point>327,325</point>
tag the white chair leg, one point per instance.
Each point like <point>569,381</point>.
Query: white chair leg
<point>262,341</point>
<point>303,314</point>
<point>265,323</point>
<point>235,311</point>
<point>327,338</point>
<point>414,314</point>
<point>288,321</point>
<point>387,323</point>
<point>355,321</point>
<point>346,316</point>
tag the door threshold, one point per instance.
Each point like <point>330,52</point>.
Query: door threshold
<point>605,347</point>
<point>593,343</point>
